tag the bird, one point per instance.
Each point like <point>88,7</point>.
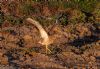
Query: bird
<point>46,40</point>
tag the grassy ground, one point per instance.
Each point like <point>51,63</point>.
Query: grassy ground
<point>74,23</point>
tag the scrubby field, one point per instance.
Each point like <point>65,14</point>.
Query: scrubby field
<point>75,25</point>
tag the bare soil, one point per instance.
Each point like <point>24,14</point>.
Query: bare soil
<point>75,46</point>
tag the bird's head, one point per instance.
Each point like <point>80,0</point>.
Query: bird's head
<point>40,42</point>
<point>44,42</point>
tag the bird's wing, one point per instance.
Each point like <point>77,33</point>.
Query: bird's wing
<point>43,33</point>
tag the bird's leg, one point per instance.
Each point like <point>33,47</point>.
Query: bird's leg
<point>47,49</point>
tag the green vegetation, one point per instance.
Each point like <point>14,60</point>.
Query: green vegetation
<point>18,10</point>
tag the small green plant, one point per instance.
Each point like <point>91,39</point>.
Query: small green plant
<point>87,6</point>
<point>62,18</point>
<point>96,13</point>
<point>76,16</point>
<point>14,20</point>
<point>1,18</point>
<point>27,8</point>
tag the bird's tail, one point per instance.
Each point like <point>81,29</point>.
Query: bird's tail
<point>42,31</point>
